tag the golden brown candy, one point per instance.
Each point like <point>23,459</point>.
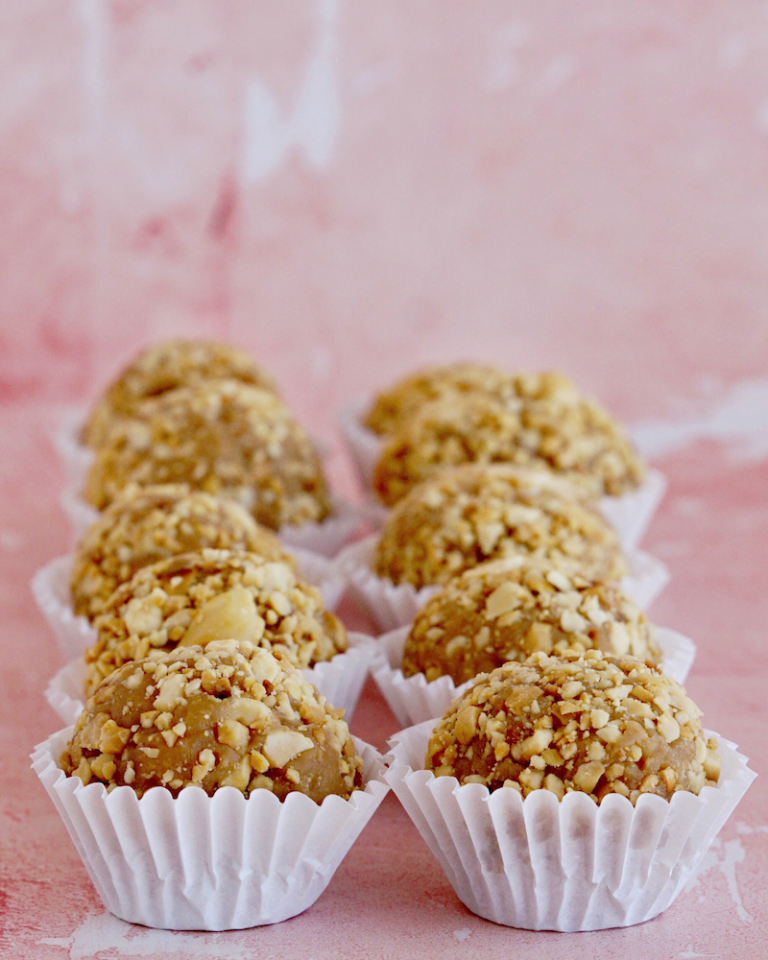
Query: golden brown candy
<point>546,423</point>
<point>223,437</point>
<point>148,524</point>
<point>591,723</point>
<point>213,595</point>
<point>471,514</point>
<point>165,366</point>
<point>227,714</point>
<point>508,609</point>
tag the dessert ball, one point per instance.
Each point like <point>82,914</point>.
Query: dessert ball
<point>590,722</point>
<point>163,367</point>
<point>223,437</point>
<point>551,425</point>
<point>226,714</point>
<point>393,408</point>
<point>573,435</point>
<point>508,609</point>
<point>453,430</point>
<point>471,514</point>
<point>213,595</point>
<point>147,524</point>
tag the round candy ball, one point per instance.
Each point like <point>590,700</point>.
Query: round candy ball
<point>508,609</point>
<point>227,714</point>
<point>591,723</point>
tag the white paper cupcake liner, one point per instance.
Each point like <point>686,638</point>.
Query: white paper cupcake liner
<point>50,588</point>
<point>328,536</point>
<point>207,863</point>
<point>629,514</point>
<point>391,606</point>
<point>340,680</point>
<point>364,445</point>
<point>412,700</point>
<point>76,457</point>
<point>541,864</point>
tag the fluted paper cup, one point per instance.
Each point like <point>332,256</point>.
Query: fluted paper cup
<point>413,700</point>
<point>364,445</point>
<point>207,863</point>
<point>391,606</point>
<point>630,514</point>
<point>325,538</point>
<point>50,588</point>
<point>76,457</point>
<point>340,680</point>
<point>328,536</point>
<point>543,864</point>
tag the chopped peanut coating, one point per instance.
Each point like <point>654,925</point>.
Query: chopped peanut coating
<point>223,437</point>
<point>589,722</point>
<point>148,524</point>
<point>164,366</point>
<point>508,609</point>
<point>213,595</point>
<point>471,514</point>
<point>228,714</point>
<point>541,420</point>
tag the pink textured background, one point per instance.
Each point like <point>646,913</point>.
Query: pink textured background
<point>351,189</point>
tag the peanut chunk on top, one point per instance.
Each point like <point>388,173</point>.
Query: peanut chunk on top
<point>227,714</point>
<point>393,408</point>
<point>589,722</point>
<point>508,609</point>
<point>164,366</point>
<point>220,436</point>
<point>213,595</point>
<point>148,524</point>
<point>540,420</point>
<point>473,513</point>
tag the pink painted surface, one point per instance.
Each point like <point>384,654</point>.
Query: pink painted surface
<point>350,190</point>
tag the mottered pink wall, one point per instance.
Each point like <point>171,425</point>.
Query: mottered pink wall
<point>354,188</point>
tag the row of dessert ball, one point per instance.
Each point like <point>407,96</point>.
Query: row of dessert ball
<point>202,627</point>
<point>551,590</point>
<point>204,414</point>
<point>202,621</point>
<point>493,480</point>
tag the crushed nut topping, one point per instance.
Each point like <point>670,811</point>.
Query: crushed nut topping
<point>225,714</point>
<point>148,524</point>
<point>394,408</point>
<point>471,514</point>
<point>166,366</point>
<point>213,595</point>
<point>581,721</point>
<point>538,420</point>
<point>504,610</point>
<point>220,436</point>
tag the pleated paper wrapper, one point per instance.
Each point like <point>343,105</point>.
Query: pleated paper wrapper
<point>542,864</point>
<point>629,514</point>
<point>207,863</point>
<point>413,700</point>
<point>391,606</point>
<point>50,588</point>
<point>340,680</point>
